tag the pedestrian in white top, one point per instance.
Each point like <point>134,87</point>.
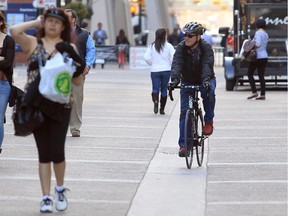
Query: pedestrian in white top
<point>159,55</point>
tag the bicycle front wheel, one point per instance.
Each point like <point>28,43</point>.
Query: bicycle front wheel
<point>188,139</point>
<point>199,137</point>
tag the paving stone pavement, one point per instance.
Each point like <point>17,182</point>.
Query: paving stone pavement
<point>126,163</point>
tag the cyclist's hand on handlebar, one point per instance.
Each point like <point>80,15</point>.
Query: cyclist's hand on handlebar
<point>171,87</point>
<point>174,83</point>
<point>207,86</point>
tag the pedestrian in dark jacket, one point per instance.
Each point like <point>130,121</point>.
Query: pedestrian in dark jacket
<point>7,53</point>
<point>193,65</point>
<point>122,43</point>
<point>87,52</point>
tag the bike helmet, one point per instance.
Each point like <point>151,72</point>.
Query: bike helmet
<point>193,28</point>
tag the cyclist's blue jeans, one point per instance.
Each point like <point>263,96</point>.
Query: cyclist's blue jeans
<point>4,96</point>
<point>160,82</point>
<point>208,105</point>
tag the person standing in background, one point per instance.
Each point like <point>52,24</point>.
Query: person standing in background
<point>122,43</point>
<point>261,38</point>
<point>159,55</point>
<point>174,38</point>
<point>208,38</point>
<point>7,54</point>
<point>99,36</point>
<point>53,35</point>
<point>180,33</point>
<point>87,52</point>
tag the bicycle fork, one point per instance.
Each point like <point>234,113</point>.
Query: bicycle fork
<point>193,106</point>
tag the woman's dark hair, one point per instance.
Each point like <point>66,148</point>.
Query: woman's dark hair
<point>60,14</point>
<point>260,23</point>
<point>160,38</point>
<point>4,25</point>
<point>122,34</point>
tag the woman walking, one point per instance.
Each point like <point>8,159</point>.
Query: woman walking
<point>7,53</point>
<point>53,36</point>
<point>123,43</point>
<point>261,38</point>
<point>160,55</point>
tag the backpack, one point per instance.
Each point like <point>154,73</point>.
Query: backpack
<point>249,51</point>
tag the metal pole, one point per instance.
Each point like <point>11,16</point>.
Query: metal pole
<point>140,16</point>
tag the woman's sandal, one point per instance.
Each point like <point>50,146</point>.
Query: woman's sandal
<point>254,95</point>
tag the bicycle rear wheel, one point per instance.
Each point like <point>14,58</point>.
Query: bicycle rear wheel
<point>199,137</point>
<point>188,139</point>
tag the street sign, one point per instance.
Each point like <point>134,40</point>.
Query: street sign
<point>44,3</point>
<point>50,3</point>
<point>136,58</point>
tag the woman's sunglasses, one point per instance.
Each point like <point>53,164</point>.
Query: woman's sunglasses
<point>189,36</point>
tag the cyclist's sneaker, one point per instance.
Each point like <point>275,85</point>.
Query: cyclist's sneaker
<point>46,205</point>
<point>182,151</point>
<point>208,129</point>
<point>61,200</point>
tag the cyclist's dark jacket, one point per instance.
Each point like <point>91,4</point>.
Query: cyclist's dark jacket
<point>195,66</point>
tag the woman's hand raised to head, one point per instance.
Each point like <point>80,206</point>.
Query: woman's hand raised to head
<point>40,20</point>
<point>27,42</point>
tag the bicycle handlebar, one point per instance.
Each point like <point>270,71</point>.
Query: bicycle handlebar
<point>171,88</point>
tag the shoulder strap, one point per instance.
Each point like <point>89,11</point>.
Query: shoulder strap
<point>39,41</point>
<point>41,54</point>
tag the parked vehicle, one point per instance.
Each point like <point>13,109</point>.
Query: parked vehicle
<point>274,12</point>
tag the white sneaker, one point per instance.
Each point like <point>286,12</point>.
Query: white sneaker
<point>46,205</point>
<point>61,200</point>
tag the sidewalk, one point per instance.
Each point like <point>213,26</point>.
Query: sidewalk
<point>168,187</point>
<point>126,162</point>
<point>246,171</point>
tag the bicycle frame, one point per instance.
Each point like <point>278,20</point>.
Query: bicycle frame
<point>193,98</point>
<point>194,117</point>
<point>193,104</point>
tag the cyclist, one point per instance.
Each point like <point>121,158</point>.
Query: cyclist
<point>193,65</point>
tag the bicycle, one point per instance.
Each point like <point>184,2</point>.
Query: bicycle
<point>194,124</point>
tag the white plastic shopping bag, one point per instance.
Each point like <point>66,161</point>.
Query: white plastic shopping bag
<point>56,78</point>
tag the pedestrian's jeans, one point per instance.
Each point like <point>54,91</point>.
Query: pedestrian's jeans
<point>160,82</point>
<point>208,104</point>
<point>4,96</point>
